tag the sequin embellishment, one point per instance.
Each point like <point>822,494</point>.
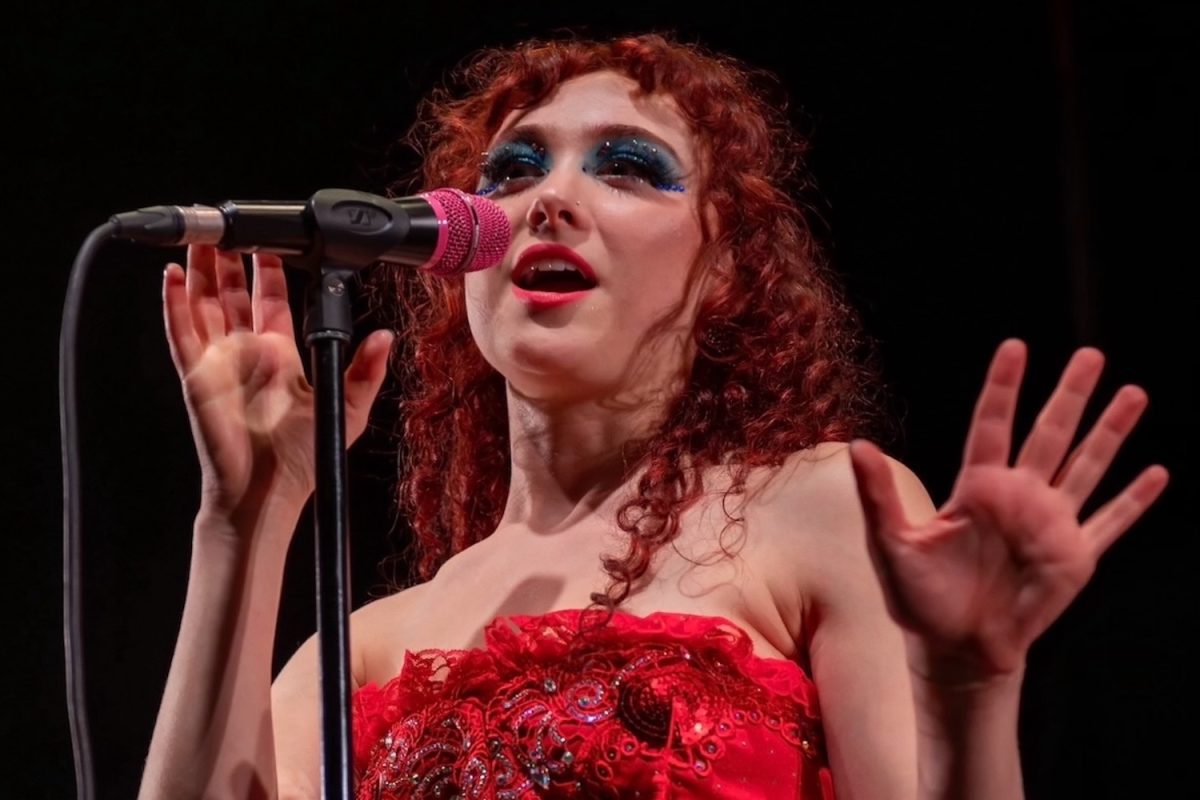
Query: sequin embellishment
<point>542,713</point>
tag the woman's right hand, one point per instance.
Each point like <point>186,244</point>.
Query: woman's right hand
<point>250,405</point>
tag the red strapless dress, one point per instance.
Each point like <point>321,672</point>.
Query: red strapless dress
<point>663,706</point>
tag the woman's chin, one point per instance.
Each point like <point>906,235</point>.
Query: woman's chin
<point>549,379</point>
<point>570,369</point>
<point>554,353</point>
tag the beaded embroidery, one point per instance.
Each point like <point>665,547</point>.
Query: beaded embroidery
<point>635,707</point>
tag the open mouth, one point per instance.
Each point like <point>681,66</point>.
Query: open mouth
<point>553,276</point>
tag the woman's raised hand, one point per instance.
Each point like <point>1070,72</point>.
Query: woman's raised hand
<point>1006,554</point>
<point>250,405</point>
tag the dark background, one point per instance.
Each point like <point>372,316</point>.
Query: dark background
<point>988,171</point>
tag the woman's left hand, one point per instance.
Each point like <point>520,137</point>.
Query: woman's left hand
<point>977,583</point>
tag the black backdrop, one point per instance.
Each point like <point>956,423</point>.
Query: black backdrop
<point>988,171</point>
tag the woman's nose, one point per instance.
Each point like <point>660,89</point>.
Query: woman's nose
<point>555,205</point>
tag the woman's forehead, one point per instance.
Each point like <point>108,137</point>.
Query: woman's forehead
<point>601,100</point>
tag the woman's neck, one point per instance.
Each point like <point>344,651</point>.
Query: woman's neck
<point>571,459</point>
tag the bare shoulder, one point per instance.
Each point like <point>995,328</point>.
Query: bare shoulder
<point>367,624</point>
<point>809,514</point>
<point>381,631</point>
<point>386,611</point>
<point>295,693</point>
<point>816,492</point>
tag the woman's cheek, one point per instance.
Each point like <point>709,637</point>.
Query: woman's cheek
<point>480,317</point>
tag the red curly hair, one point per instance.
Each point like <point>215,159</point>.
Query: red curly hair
<point>780,362</point>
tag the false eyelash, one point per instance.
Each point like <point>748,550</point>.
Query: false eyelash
<point>657,169</point>
<point>494,166</point>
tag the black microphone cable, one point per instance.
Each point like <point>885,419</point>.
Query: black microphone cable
<point>68,411</point>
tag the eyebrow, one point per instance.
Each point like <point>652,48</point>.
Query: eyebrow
<point>540,133</point>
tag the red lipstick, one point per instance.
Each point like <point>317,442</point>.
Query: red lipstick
<point>549,252</point>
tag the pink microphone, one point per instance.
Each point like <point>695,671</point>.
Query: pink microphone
<point>445,231</point>
<point>475,232</point>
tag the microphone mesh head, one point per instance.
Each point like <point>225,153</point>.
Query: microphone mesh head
<point>477,232</point>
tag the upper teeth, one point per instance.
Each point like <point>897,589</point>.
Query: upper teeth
<point>554,266</point>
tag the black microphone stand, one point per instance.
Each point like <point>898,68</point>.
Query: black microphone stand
<point>327,329</point>
<point>348,231</point>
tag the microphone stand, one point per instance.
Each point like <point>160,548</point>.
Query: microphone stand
<point>347,231</point>
<point>327,329</point>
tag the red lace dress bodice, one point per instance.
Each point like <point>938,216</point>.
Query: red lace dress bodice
<point>663,706</point>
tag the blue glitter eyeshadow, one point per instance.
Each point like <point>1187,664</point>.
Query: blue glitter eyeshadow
<point>631,158</point>
<point>512,166</point>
